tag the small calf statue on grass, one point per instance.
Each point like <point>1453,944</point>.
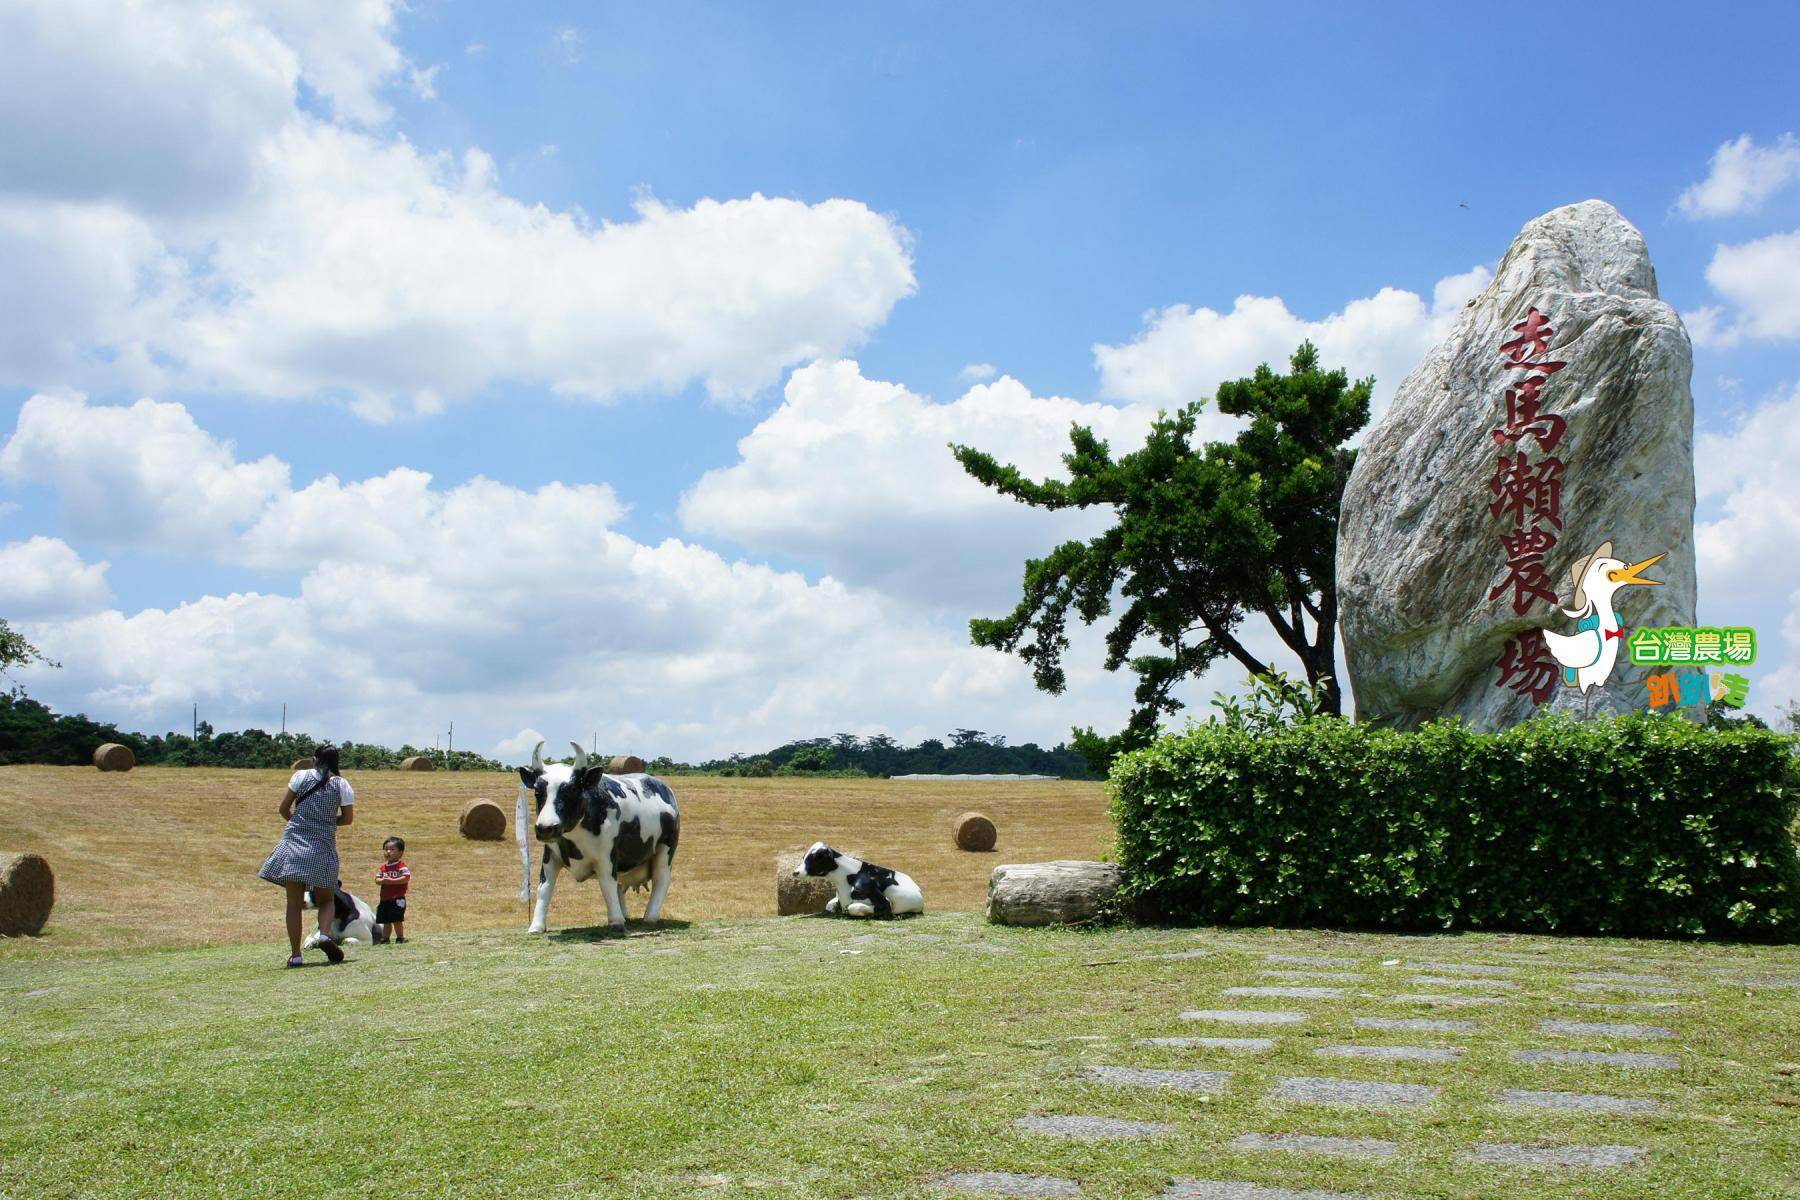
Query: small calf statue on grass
<point>352,920</point>
<point>863,889</point>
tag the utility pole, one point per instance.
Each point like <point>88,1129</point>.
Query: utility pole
<point>196,720</point>
<point>284,718</point>
<point>452,749</point>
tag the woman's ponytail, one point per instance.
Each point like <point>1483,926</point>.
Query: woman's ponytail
<point>325,758</point>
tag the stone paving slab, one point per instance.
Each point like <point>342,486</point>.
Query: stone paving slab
<point>1444,968</point>
<point>1605,1029</point>
<point>1245,1016</point>
<point>1764,982</point>
<point>1288,993</point>
<point>1312,960</point>
<point>1450,981</point>
<point>1516,1155</point>
<point>1621,977</point>
<point>1624,1058</point>
<point>1316,976</point>
<point>1311,1090</point>
<point>1238,1045</point>
<point>1522,1098</point>
<point>1178,1081</point>
<point>1308,1143</point>
<point>1219,1189</point>
<point>1417,1024</point>
<point>1092,1127</point>
<point>1439,998</point>
<point>1643,989</point>
<point>1005,1183</point>
<point>1629,1005</point>
<point>1393,1053</point>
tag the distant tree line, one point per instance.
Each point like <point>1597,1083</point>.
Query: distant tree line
<point>968,752</point>
<point>31,733</point>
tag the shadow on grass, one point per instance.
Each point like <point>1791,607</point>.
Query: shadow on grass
<point>633,929</point>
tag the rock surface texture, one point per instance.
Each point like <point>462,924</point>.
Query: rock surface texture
<point>1420,553</point>
<point>1050,893</point>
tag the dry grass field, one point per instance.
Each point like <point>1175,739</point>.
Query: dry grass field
<point>167,857</point>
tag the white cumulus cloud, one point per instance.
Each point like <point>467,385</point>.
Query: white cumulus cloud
<point>45,577</point>
<point>198,223</point>
<point>857,475</point>
<point>1761,279</point>
<point>1184,353</point>
<point>1743,175</point>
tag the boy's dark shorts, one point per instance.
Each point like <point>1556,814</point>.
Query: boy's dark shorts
<point>388,912</point>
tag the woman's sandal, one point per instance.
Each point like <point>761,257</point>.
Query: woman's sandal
<point>296,961</point>
<point>333,953</point>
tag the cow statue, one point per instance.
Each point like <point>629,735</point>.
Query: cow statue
<point>619,829</point>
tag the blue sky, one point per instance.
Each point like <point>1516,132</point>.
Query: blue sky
<point>583,251</point>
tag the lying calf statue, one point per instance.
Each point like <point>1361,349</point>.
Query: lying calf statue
<point>863,889</point>
<point>352,920</point>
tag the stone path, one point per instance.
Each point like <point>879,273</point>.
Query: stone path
<point>1623,1058</point>
<point>1396,1053</point>
<point>1601,1029</point>
<point>1309,1089</point>
<point>1004,1183</point>
<point>1584,1100</point>
<point>1181,1081</point>
<point>1245,1016</point>
<point>1417,1024</point>
<point>1307,1143</point>
<point>1092,1127</point>
<point>1236,1045</point>
<point>1553,1156</point>
<point>1207,1189</point>
<point>1304,977</point>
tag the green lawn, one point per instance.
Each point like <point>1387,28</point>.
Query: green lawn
<point>808,1057</point>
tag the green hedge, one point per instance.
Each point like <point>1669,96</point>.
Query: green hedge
<point>1639,826</point>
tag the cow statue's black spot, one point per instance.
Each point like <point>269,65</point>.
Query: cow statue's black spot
<point>870,884</point>
<point>631,849</point>
<point>671,832</point>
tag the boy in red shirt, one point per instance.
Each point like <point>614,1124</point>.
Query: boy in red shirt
<point>393,875</point>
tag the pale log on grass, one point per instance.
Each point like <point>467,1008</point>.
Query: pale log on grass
<point>1050,893</point>
<point>417,762</point>
<point>27,892</point>
<point>113,757</point>
<point>482,821</point>
<point>797,895</point>
<point>975,832</point>
<point>626,764</point>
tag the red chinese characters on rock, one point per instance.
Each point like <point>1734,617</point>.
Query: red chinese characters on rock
<point>1528,502</point>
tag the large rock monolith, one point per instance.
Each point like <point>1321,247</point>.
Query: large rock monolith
<point>1420,549</point>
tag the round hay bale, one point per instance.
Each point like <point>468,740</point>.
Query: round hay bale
<point>27,892</point>
<point>302,764</point>
<point>482,821</point>
<point>626,764</point>
<point>796,895</point>
<point>417,762</point>
<point>975,832</point>
<point>114,757</point>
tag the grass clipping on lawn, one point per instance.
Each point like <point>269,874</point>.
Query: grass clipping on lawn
<point>482,821</point>
<point>27,893</point>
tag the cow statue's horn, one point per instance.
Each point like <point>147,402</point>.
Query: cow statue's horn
<point>537,756</point>
<point>580,758</point>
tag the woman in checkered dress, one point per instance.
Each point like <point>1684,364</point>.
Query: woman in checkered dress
<point>316,803</point>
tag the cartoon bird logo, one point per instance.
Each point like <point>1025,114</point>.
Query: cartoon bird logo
<point>1587,655</point>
